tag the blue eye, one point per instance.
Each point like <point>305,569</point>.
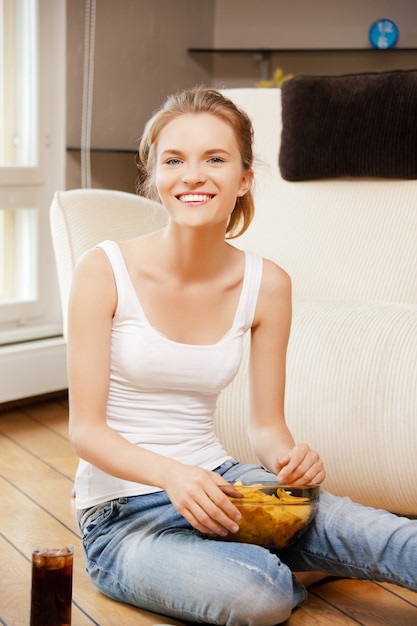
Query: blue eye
<point>173,161</point>
<point>216,160</point>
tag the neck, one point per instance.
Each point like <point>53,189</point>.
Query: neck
<point>195,254</point>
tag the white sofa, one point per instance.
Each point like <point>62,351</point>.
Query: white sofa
<point>350,247</point>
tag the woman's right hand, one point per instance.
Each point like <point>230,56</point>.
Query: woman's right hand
<point>201,496</point>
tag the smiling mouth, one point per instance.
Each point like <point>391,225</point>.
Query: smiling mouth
<point>188,198</point>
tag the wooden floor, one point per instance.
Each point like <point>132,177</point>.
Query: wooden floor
<point>36,473</point>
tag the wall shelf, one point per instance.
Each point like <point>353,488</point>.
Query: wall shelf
<point>263,55</point>
<point>270,50</point>
<point>112,150</point>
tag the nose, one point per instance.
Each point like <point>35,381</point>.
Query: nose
<point>193,174</point>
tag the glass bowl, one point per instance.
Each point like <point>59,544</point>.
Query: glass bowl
<point>273,514</point>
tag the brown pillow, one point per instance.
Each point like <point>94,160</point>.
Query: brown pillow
<point>349,125</point>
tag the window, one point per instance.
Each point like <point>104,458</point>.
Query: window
<point>32,159</point>
<point>18,233</point>
<point>18,84</point>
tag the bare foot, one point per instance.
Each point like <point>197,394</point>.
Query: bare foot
<point>310,578</point>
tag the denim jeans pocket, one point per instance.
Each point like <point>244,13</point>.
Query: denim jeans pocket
<point>91,520</point>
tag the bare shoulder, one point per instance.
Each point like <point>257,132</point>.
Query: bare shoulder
<point>95,259</point>
<point>274,300</point>
<point>275,280</point>
<point>93,285</point>
<point>93,262</point>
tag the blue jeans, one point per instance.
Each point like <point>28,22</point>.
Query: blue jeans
<point>141,551</point>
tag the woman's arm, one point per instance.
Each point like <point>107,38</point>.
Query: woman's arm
<point>272,440</point>
<point>193,490</point>
<point>93,301</point>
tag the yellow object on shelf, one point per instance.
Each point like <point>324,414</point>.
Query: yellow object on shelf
<point>278,78</point>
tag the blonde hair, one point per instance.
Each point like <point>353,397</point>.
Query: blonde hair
<point>199,100</point>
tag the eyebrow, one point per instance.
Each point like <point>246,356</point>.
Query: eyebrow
<point>175,152</point>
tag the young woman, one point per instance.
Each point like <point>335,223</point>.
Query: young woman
<point>156,328</point>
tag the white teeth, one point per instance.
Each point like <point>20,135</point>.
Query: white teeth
<point>194,197</point>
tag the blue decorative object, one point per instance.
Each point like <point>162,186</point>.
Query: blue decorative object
<point>383,34</point>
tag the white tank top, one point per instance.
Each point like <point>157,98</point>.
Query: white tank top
<point>163,393</point>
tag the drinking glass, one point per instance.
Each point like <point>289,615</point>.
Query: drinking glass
<point>51,596</point>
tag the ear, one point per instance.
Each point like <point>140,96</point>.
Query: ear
<point>245,182</point>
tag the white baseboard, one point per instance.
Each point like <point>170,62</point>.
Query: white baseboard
<point>32,368</point>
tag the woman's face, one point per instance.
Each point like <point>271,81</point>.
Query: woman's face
<point>198,170</point>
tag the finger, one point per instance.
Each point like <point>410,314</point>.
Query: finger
<point>205,529</point>
<point>230,490</point>
<point>216,513</point>
<point>207,524</point>
<point>282,461</point>
<point>315,474</point>
<point>220,497</point>
<point>319,477</point>
<point>291,471</point>
<point>304,472</point>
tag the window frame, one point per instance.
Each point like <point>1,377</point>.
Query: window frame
<point>33,186</point>
<point>27,174</point>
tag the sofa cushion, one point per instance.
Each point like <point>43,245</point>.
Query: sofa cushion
<point>350,125</point>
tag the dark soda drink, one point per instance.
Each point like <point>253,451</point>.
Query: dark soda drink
<point>51,586</point>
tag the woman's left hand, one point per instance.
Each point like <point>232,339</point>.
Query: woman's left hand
<point>300,466</point>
